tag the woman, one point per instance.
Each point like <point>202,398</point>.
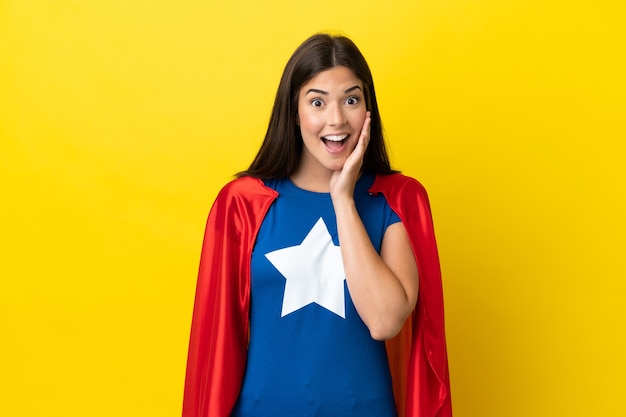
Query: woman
<point>307,299</point>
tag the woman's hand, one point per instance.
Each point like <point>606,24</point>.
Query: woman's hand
<point>383,286</point>
<point>343,181</point>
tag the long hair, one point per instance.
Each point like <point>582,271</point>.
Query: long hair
<point>280,153</point>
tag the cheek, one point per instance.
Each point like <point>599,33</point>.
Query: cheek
<point>357,119</point>
<point>311,123</point>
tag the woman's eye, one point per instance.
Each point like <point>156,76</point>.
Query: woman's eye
<point>317,102</point>
<point>352,100</point>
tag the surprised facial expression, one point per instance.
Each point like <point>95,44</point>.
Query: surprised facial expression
<point>331,113</point>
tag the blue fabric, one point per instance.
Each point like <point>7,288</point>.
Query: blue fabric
<point>312,361</point>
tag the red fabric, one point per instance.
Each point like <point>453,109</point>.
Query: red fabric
<point>219,332</point>
<point>418,356</point>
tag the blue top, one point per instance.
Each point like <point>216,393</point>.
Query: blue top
<point>310,354</point>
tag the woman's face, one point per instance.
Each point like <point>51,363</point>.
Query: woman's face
<point>331,113</point>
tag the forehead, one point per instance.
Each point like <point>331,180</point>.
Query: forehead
<point>334,78</point>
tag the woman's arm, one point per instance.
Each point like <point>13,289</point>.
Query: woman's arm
<point>383,287</point>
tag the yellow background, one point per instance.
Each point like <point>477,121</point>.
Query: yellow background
<point>121,119</point>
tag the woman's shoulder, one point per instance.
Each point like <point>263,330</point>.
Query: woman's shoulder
<point>406,196</point>
<point>245,187</point>
<point>397,183</point>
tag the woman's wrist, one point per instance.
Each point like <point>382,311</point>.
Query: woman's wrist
<point>343,202</point>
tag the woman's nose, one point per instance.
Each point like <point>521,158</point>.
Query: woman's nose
<point>336,116</point>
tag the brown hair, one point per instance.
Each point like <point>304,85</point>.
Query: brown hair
<point>279,155</point>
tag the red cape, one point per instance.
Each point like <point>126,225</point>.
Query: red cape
<point>219,333</point>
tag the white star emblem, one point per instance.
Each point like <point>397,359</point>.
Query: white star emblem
<point>314,272</point>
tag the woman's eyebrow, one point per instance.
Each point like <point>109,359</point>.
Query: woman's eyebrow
<point>325,93</point>
<point>315,90</point>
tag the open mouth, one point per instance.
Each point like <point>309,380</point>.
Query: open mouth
<point>335,142</point>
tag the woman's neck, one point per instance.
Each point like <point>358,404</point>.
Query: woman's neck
<point>318,182</point>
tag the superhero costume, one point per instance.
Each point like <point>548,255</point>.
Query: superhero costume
<point>220,325</point>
